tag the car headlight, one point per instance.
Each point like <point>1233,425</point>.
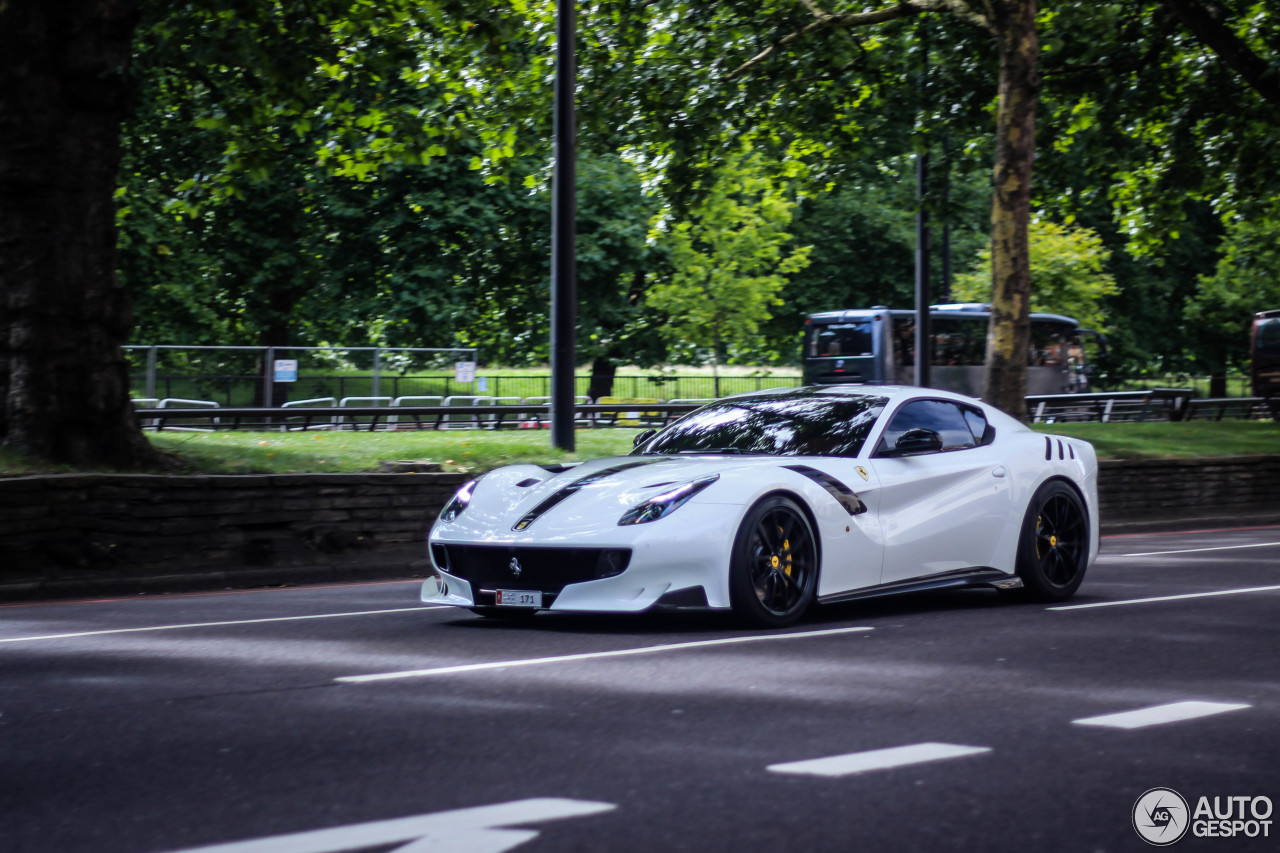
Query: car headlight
<point>662,505</point>
<point>459,501</point>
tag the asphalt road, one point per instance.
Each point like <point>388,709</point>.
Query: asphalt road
<point>955,721</point>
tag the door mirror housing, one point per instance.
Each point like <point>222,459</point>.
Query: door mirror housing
<point>917,440</point>
<point>643,436</point>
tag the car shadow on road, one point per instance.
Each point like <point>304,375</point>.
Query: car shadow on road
<point>719,622</point>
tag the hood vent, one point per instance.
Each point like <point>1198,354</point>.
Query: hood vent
<point>569,490</point>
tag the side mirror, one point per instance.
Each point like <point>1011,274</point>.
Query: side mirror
<point>918,440</point>
<point>643,436</point>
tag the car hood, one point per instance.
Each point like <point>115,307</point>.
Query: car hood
<point>528,502</point>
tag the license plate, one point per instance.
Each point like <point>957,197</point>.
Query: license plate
<point>517,598</point>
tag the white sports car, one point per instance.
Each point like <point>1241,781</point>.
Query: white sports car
<point>764,503</point>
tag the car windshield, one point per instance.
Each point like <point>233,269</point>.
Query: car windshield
<point>805,423</point>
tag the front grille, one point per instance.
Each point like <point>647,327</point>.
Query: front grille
<point>546,569</point>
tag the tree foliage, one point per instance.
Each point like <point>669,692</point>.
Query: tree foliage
<point>1247,280</point>
<point>729,261</point>
<point>1069,274</point>
<point>307,171</point>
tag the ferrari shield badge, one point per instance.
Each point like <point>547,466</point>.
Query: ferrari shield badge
<point>862,472</point>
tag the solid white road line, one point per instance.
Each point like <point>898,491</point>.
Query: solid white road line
<point>1160,714</point>
<point>877,759</point>
<point>643,650</point>
<point>459,831</point>
<point>208,624</point>
<point>1200,550</point>
<point>1167,598</point>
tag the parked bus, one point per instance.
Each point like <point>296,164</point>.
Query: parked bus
<point>1264,354</point>
<point>877,346</point>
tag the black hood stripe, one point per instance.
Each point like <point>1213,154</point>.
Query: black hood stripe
<point>571,489</point>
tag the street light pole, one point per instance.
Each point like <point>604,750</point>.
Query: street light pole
<point>924,336</point>
<point>563,234</point>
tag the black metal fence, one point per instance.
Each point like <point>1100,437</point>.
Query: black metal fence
<point>239,390</point>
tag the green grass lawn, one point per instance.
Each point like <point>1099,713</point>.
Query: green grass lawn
<point>340,451</point>
<point>479,450</point>
<point>1163,439</point>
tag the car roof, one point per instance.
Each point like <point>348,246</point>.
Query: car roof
<point>895,393</point>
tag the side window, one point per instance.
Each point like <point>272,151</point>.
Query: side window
<point>946,419</point>
<point>982,431</point>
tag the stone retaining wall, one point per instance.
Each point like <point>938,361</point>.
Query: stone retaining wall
<point>137,521</point>
<point>1217,486</point>
<point>61,525</point>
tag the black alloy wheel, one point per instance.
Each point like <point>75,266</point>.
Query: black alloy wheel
<point>773,576</point>
<point>1053,550</point>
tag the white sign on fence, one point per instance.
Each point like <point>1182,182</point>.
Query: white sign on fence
<point>286,370</point>
<point>464,371</point>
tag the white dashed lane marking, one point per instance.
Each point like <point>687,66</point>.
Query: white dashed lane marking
<point>616,653</point>
<point>207,624</point>
<point>1160,715</point>
<point>877,759</point>
<point>481,829</point>
<point>1201,550</point>
<point>1184,597</point>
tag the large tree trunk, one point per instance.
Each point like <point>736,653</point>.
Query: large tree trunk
<point>64,90</point>
<point>1010,331</point>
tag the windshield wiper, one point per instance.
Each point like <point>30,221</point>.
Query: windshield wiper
<point>727,451</point>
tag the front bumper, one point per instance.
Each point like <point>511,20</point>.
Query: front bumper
<point>688,550</point>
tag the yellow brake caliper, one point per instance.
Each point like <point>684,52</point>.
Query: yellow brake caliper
<point>786,550</point>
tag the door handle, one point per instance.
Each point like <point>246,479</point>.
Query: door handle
<point>998,472</point>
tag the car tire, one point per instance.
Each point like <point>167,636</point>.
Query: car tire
<point>773,570</point>
<point>1053,548</point>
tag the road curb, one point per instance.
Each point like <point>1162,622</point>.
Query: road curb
<point>1259,516</point>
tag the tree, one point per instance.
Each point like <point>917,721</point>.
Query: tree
<point>1011,25</point>
<point>1069,274</point>
<point>64,90</point>
<point>1158,141</point>
<point>730,260</point>
<point>1246,281</point>
<point>613,264</point>
<point>863,235</point>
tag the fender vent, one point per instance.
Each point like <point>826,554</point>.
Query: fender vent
<point>838,490</point>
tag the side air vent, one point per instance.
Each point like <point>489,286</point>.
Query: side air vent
<point>838,490</point>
